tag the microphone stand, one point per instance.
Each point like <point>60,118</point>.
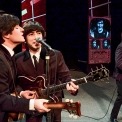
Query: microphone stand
<point>47,57</point>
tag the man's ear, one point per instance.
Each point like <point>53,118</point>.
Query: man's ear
<point>6,36</point>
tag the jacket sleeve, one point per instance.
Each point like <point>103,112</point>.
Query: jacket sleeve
<point>9,103</point>
<point>118,57</point>
<point>62,69</point>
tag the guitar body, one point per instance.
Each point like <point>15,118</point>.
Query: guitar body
<point>37,84</point>
<point>28,82</point>
<point>15,116</point>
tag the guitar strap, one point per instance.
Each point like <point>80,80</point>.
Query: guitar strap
<point>10,70</point>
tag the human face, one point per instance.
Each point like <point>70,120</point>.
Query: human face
<point>100,26</point>
<point>17,35</point>
<point>31,40</point>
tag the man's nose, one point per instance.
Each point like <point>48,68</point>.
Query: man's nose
<point>22,30</point>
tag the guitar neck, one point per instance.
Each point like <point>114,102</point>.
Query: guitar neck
<point>60,87</point>
<point>58,105</point>
<point>71,107</point>
<point>93,76</point>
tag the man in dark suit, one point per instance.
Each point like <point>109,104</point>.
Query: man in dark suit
<point>27,67</point>
<point>11,34</point>
<point>118,77</point>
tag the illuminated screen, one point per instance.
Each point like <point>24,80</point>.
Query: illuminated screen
<point>99,40</point>
<point>99,28</point>
<point>95,44</point>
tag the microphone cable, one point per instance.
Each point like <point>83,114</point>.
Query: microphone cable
<point>107,109</point>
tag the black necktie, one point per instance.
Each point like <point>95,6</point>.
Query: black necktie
<point>35,61</point>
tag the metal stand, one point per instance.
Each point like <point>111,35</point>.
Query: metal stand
<point>48,81</point>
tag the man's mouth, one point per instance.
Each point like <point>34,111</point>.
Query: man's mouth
<point>36,44</point>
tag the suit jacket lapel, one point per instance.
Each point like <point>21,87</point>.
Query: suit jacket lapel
<point>27,60</point>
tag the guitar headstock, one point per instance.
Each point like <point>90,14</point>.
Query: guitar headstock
<point>73,108</point>
<point>98,74</point>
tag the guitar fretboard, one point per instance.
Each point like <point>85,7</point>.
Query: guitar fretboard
<point>60,87</point>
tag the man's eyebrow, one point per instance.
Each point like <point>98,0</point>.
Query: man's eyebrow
<point>38,31</point>
<point>31,32</point>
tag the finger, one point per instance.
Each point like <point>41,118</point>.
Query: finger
<point>30,97</point>
<point>31,92</point>
<point>68,86</point>
<point>72,88</point>
<point>73,85</point>
<point>36,95</point>
<point>43,111</point>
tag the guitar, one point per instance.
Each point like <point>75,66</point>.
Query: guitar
<point>71,107</point>
<point>42,90</point>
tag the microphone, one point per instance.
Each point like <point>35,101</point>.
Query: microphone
<point>44,43</point>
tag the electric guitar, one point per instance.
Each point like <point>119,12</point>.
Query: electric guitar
<point>41,90</point>
<point>39,84</point>
<point>72,107</point>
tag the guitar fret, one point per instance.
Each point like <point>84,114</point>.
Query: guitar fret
<point>57,88</point>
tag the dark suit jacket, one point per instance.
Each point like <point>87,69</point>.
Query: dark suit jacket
<point>118,63</point>
<point>59,72</point>
<point>9,103</point>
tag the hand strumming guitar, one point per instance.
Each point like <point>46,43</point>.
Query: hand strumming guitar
<point>36,104</point>
<point>28,94</point>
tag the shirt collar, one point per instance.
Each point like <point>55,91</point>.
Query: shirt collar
<point>9,50</point>
<point>37,54</point>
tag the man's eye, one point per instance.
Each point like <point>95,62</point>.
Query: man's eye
<point>31,34</point>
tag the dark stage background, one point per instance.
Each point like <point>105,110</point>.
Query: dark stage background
<point>67,29</point>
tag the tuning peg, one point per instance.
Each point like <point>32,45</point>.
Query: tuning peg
<point>97,68</point>
<point>75,116</point>
<point>101,65</point>
<point>107,78</point>
<point>91,69</point>
<point>71,116</point>
<point>101,80</point>
<point>71,100</point>
<point>67,100</point>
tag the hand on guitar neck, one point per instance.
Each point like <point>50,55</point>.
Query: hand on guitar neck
<point>72,88</point>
